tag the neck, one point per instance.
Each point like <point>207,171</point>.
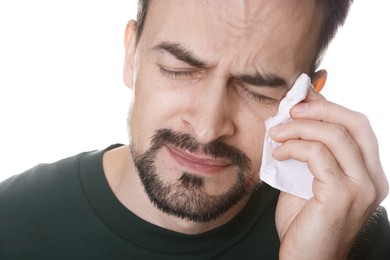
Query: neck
<point>123,179</point>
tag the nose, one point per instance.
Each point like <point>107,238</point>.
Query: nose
<point>209,116</point>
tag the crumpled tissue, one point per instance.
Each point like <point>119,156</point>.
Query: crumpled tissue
<point>290,176</point>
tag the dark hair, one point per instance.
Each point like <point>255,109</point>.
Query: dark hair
<point>335,13</point>
<point>141,15</point>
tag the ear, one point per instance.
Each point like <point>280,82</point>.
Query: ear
<point>130,46</point>
<point>319,80</point>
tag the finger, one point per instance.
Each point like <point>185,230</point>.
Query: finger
<point>315,154</point>
<point>334,137</point>
<point>329,181</point>
<point>316,107</point>
<point>313,95</point>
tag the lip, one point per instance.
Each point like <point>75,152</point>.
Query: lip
<point>197,162</point>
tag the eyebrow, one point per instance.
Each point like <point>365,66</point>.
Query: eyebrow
<point>180,53</point>
<point>263,80</point>
<point>257,79</point>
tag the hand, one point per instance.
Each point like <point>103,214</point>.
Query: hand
<point>341,151</point>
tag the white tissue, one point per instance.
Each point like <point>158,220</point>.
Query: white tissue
<point>290,176</point>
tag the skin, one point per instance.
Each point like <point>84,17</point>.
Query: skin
<point>210,104</point>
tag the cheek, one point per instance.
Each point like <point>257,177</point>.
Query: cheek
<point>155,104</point>
<point>251,131</point>
<point>154,107</point>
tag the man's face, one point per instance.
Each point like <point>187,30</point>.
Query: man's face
<point>206,76</point>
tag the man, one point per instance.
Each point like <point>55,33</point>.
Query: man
<point>205,77</point>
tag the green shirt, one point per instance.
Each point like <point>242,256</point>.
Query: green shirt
<point>66,210</point>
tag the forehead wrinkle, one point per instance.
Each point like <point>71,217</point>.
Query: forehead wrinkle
<point>260,41</point>
<point>243,22</point>
<point>239,20</point>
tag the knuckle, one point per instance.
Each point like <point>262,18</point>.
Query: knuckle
<point>359,195</point>
<point>341,134</point>
<point>361,121</point>
<point>361,118</point>
<point>323,103</point>
<point>384,189</point>
<point>319,150</point>
<point>365,194</point>
<point>370,194</point>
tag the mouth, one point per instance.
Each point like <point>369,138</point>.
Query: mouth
<point>197,162</point>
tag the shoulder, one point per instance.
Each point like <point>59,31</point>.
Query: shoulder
<point>50,182</point>
<point>42,190</point>
<point>42,207</point>
<point>42,176</point>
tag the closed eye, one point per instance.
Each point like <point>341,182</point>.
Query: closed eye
<point>255,96</point>
<point>181,74</point>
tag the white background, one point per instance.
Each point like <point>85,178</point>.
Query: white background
<point>61,89</point>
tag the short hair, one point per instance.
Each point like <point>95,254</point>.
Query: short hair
<point>141,16</point>
<point>335,13</point>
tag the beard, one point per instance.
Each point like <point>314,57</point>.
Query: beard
<point>186,198</point>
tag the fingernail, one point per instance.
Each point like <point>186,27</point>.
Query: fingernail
<point>301,107</point>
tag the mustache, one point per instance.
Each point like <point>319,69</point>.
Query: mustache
<point>215,149</point>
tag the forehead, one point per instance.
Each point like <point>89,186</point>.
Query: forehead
<point>278,36</point>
